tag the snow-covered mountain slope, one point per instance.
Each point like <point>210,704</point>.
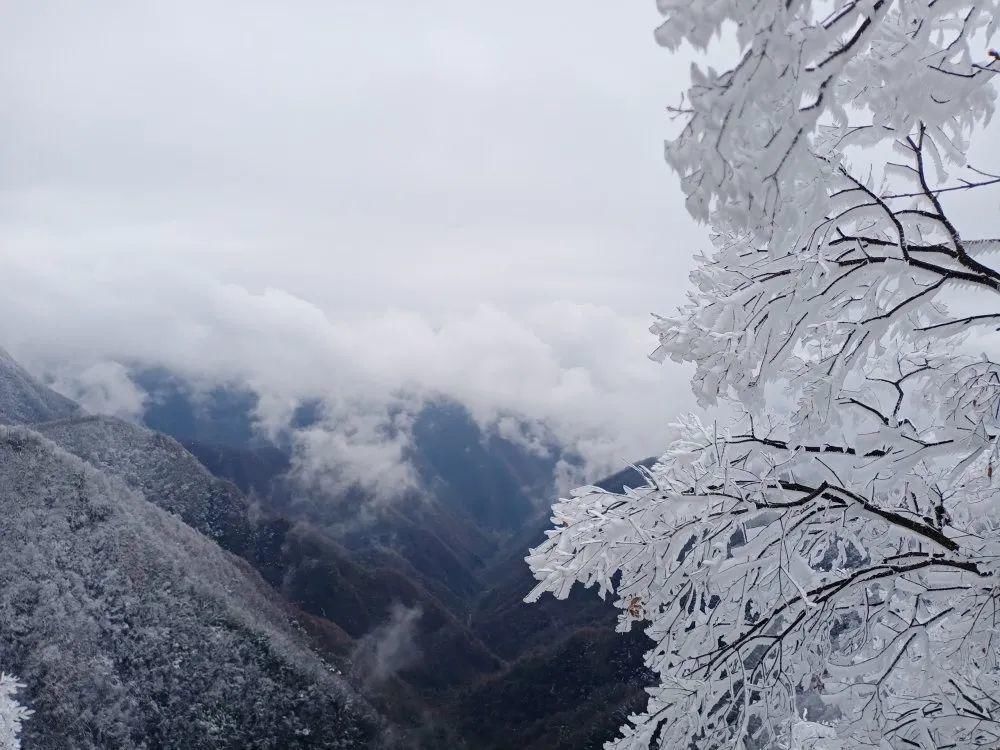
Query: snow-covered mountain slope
<point>160,468</point>
<point>132,630</point>
<point>352,594</point>
<point>135,593</point>
<point>23,400</point>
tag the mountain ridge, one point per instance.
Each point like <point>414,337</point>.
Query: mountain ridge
<point>150,635</point>
<point>480,655</point>
<point>24,400</point>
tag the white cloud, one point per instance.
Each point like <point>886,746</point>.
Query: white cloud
<point>367,205</point>
<point>102,388</point>
<point>580,370</point>
<point>356,449</point>
<point>389,648</point>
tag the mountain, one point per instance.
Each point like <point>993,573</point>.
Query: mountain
<point>217,415</point>
<point>551,675</point>
<point>252,468</point>
<point>491,482</point>
<point>132,630</point>
<point>561,676</point>
<point>570,681</point>
<point>569,694</point>
<point>160,468</point>
<point>24,400</point>
<point>477,488</point>
<point>495,482</point>
<point>348,595</point>
<point>502,619</point>
<point>418,602</point>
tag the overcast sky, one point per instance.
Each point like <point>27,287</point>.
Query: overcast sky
<point>350,199</point>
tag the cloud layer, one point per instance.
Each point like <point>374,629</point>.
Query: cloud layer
<point>366,204</point>
<point>579,369</point>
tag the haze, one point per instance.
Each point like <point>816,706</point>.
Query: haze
<point>362,202</point>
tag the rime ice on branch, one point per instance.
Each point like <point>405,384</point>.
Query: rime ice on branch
<point>12,713</point>
<point>833,552</point>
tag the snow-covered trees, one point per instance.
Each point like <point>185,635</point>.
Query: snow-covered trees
<point>132,629</point>
<point>12,713</point>
<point>832,551</point>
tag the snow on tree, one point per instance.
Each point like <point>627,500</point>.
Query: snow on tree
<point>822,569</point>
<point>12,713</point>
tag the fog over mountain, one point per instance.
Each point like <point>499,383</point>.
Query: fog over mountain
<point>313,308</point>
<point>190,591</point>
<point>361,204</point>
<point>371,376</point>
<point>132,628</point>
<point>367,205</point>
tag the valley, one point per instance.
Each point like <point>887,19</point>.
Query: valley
<point>415,606</point>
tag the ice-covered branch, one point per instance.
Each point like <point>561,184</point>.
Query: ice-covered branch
<point>833,550</point>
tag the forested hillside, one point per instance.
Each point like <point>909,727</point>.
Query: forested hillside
<point>130,629</point>
<point>23,400</point>
<point>464,550</point>
<point>212,591</point>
